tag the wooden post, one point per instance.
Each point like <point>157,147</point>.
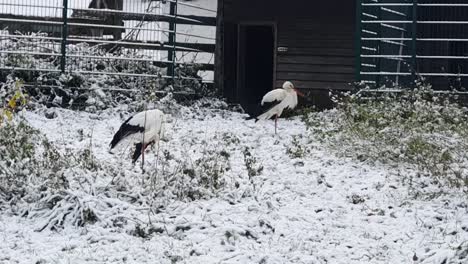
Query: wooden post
<point>64,36</point>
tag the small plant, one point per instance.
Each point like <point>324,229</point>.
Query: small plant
<point>19,60</point>
<point>184,178</point>
<point>12,94</point>
<point>305,113</point>
<point>251,163</point>
<point>146,231</point>
<point>61,208</point>
<point>296,149</point>
<point>211,167</point>
<point>87,160</point>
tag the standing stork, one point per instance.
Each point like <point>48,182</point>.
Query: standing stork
<point>145,128</point>
<point>278,100</point>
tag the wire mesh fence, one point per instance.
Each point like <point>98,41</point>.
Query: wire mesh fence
<point>131,38</point>
<point>401,40</point>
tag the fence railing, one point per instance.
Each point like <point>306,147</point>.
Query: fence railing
<point>112,37</point>
<point>400,40</point>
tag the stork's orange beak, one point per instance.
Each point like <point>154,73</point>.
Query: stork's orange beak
<point>299,93</point>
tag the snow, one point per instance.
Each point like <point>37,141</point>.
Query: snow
<point>314,209</point>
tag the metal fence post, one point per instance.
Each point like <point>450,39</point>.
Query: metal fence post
<point>64,36</point>
<point>174,44</point>
<point>172,39</point>
<point>414,32</point>
<point>358,40</point>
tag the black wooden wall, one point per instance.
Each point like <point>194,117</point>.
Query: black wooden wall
<point>318,35</point>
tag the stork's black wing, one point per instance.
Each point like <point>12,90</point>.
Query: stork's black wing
<point>260,109</point>
<point>124,131</point>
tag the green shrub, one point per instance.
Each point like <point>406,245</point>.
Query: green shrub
<point>29,164</point>
<point>415,127</point>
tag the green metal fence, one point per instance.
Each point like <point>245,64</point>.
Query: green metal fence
<point>402,40</point>
<point>95,37</point>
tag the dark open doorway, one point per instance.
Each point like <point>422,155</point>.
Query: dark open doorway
<point>255,64</point>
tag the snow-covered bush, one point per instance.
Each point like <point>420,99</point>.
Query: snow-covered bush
<point>417,128</point>
<point>38,181</point>
<point>93,92</point>
<point>60,187</point>
<point>200,175</point>
<point>189,81</point>
<point>29,165</point>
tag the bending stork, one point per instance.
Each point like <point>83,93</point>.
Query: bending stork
<point>279,99</point>
<point>145,128</point>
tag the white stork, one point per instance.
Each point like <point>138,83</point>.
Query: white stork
<point>279,99</point>
<point>145,128</point>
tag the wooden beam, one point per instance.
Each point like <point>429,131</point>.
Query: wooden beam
<point>317,68</point>
<point>41,20</point>
<point>200,47</point>
<point>317,85</point>
<point>316,76</point>
<point>200,66</point>
<point>180,19</point>
<point>323,60</point>
<point>99,17</point>
<point>149,45</point>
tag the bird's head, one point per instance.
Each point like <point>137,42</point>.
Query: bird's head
<point>289,87</point>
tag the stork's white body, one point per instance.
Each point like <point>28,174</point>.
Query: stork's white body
<point>153,123</point>
<point>286,99</point>
<point>143,128</point>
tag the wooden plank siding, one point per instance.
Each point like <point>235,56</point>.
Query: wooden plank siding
<point>318,35</point>
<point>320,46</point>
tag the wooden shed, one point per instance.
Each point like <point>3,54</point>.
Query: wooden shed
<point>329,45</point>
<point>262,43</point>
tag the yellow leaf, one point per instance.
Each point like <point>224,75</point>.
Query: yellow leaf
<point>8,114</point>
<point>12,103</point>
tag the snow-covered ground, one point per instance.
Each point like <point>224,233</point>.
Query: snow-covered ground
<point>314,209</point>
